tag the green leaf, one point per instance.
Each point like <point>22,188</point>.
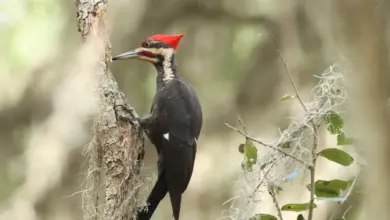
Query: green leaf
<point>343,140</point>
<point>250,155</point>
<point>286,144</point>
<point>327,193</point>
<point>300,217</point>
<point>335,122</point>
<point>297,207</point>
<point>337,156</point>
<point>287,97</point>
<point>328,189</point>
<point>263,217</point>
<point>250,151</point>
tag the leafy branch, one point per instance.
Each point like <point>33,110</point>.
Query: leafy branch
<point>315,133</point>
<point>289,149</point>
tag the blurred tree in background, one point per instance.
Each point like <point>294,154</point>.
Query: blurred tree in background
<point>230,56</point>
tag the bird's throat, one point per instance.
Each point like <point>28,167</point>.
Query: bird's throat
<point>166,70</point>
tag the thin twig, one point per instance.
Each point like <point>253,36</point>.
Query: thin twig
<point>346,211</point>
<point>312,173</point>
<point>352,187</point>
<point>271,191</point>
<point>315,141</point>
<point>245,135</point>
<point>291,79</point>
<point>270,146</point>
<point>264,165</point>
<point>264,178</point>
<point>242,124</point>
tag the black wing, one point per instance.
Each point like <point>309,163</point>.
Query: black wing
<point>179,111</point>
<point>179,116</point>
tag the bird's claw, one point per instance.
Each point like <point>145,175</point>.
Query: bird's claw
<point>143,121</point>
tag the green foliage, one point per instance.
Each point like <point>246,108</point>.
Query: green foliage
<point>343,140</point>
<point>332,188</point>
<point>335,125</point>
<point>297,207</point>
<point>250,155</point>
<point>337,155</point>
<point>263,217</point>
<point>335,122</point>
<point>287,97</point>
<point>325,189</point>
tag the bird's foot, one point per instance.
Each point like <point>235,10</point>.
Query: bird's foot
<point>144,120</point>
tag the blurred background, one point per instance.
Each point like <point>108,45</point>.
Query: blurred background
<point>229,54</point>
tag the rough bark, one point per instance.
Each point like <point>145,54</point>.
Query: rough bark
<point>117,147</point>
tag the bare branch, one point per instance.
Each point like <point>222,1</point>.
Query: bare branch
<point>291,79</point>
<point>242,124</point>
<point>268,145</point>
<point>315,141</point>
<point>312,172</point>
<point>272,193</point>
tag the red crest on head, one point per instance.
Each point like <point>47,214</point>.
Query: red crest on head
<point>170,39</point>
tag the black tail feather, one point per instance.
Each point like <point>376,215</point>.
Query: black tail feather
<point>176,203</point>
<point>158,192</point>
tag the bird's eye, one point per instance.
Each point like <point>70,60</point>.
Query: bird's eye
<point>146,44</point>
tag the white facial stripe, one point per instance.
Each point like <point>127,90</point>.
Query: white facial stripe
<point>167,53</point>
<point>166,136</point>
<point>168,72</point>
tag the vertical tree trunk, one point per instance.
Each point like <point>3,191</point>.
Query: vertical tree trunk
<point>117,147</point>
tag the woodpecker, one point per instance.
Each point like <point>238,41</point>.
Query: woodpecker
<point>174,123</point>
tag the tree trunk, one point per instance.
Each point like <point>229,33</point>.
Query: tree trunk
<point>117,147</point>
